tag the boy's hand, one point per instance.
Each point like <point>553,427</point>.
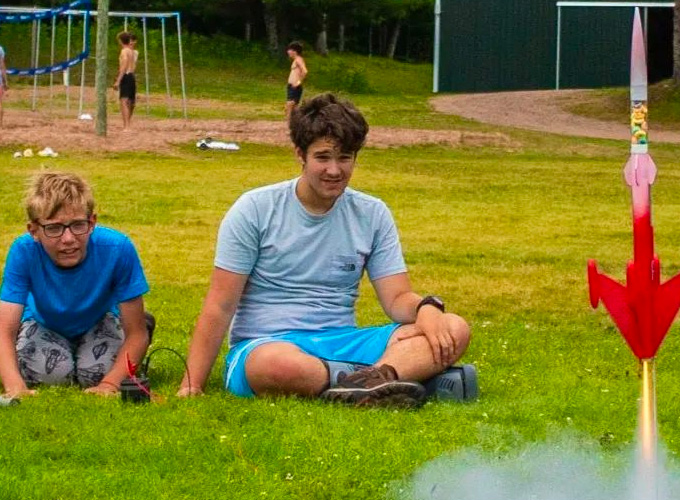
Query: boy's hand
<point>19,392</point>
<point>185,392</point>
<point>104,389</point>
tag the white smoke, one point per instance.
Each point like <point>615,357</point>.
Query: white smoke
<point>560,471</point>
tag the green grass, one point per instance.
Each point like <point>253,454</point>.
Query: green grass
<point>503,235</point>
<point>614,105</point>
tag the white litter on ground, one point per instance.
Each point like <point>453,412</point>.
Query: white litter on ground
<point>48,151</point>
<point>209,143</point>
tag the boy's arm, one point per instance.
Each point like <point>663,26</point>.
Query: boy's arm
<point>397,297</point>
<point>400,303</point>
<point>122,64</point>
<point>303,70</point>
<point>219,307</point>
<point>10,321</point>
<point>134,346</point>
<point>3,73</point>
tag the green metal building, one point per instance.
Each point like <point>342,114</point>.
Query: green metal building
<point>492,45</point>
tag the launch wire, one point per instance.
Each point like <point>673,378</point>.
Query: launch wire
<point>145,369</point>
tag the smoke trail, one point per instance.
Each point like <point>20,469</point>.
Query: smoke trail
<point>543,472</point>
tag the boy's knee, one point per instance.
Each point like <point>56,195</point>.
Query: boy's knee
<point>461,332</point>
<point>282,369</point>
<point>43,356</point>
<point>270,365</point>
<point>46,365</point>
<point>89,376</point>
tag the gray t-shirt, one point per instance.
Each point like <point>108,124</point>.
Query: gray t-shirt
<point>304,269</point>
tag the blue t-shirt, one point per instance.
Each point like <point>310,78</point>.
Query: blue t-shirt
<point>304,269</point>
<point>71,301</point>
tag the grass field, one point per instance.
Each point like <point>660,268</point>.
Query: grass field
<point>502,235</point>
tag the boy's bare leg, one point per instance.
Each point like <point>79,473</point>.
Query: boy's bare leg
<point>281,368</point>
<point>125,112</point>
<point>290,105</point>
<point>412,357</point>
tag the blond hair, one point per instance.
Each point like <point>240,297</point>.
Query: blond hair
<point>49,192</point>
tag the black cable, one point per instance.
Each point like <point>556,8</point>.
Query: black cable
<point>184,361</point>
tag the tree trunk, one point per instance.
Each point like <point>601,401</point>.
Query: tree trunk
<point>101,83</point>
<point>341,37</point>
<point>271,26</point>
<point>676,44</point>
<point>382,40</point>
<point>394,38</point>
<point>322,37</point>
<point>248,32</point>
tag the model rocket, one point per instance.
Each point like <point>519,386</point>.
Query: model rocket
<point>643,309</point>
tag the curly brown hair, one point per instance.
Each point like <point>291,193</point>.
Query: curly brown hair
<point>327,117</point>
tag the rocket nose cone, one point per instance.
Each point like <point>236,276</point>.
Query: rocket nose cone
<point>638,62</point>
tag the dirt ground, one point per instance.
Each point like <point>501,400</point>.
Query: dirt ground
<point>160,135</point>
<point>535,110</point>
<point>541,110</point>
<point>40,129</point>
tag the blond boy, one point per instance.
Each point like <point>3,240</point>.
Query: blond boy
<point>71,307</point>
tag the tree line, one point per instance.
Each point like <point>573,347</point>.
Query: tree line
<point>389,28</point>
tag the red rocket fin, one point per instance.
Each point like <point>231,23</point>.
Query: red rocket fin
<point>615,299</point>
<point>666,305</point>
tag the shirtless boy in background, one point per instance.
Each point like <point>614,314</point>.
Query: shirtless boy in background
<point>3,80</point>
<point>298,72</point>
<point>125,81</point>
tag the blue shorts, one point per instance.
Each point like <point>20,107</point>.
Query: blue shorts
<point>294,93</point>
<point>348,344</point>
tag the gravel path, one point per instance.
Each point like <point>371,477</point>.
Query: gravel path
<point>541,110</point>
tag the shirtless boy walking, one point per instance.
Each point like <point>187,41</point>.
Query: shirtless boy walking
<point>125,81</point>
<point>298,72</point>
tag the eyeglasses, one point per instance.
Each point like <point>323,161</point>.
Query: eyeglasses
<point>55,230</point>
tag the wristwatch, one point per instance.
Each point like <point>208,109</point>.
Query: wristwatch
<point>432,300</point>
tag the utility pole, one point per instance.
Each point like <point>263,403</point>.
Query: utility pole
<point>101,74</point>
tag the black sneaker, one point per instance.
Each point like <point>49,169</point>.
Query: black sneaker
<point>376,386</point>
<point>150,325</point>
<point>457,383</point>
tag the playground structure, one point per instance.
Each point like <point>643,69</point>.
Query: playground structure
<point>72,15</point>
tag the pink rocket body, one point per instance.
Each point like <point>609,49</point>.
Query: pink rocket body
<point>643,309</point>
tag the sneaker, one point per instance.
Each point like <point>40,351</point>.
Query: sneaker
<point>458,383</point>
<point>150,325</point>
<point>376,386</point>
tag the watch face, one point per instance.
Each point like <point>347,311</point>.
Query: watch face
<point>437,301</point>
<point>432,300</point>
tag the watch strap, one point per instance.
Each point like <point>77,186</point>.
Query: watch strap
<point>431,300</point>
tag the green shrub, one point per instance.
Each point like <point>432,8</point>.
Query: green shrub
<point>337,75</point>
